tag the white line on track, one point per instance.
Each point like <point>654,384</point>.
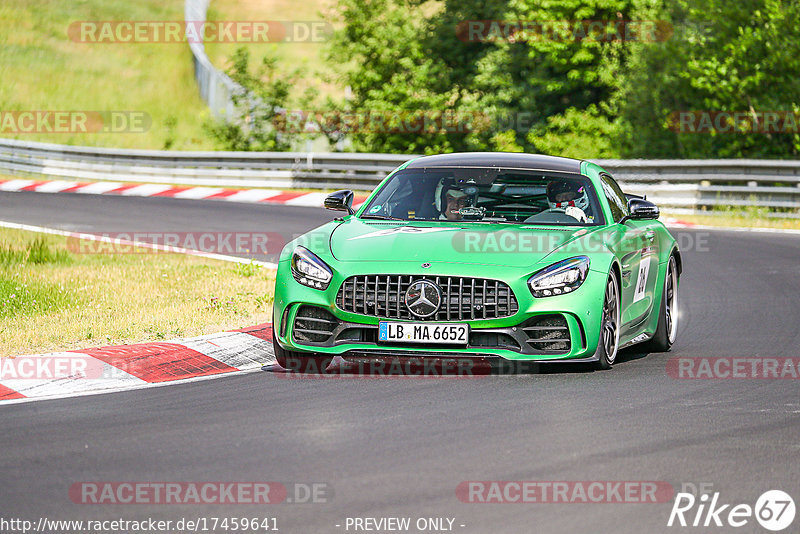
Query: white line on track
<point>122,242</point>
<point>129,387</point>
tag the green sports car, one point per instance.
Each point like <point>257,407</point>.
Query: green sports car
<point>480,255</point>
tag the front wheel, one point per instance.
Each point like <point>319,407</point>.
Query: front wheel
<point>608,343</point>
<point>667,329</point>
<point>300,362</point>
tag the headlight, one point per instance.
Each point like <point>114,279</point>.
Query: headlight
<point>562,277</point>
<point>309,270</point>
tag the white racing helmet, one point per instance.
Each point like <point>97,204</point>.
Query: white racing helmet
<point>562,194</point>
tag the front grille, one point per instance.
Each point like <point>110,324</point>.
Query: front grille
<point>313,324</point>
<point>547,333</point>
<point>462,298</point>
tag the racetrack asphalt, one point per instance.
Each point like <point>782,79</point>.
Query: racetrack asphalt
<point>400,447</point>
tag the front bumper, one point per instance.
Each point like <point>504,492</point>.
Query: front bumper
<point>308,320</point>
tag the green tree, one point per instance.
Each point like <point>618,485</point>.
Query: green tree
<point>568,94</point>
<point>725,56</point>
<point>389,65</point>
<point>407,55</point>
<point>258,107</point>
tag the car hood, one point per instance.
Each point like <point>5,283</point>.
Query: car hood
<point>471,243</point>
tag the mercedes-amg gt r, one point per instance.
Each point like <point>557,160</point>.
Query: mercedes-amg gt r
<point>480,255</point>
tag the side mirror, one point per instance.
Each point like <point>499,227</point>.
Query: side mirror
<point>340,201</point>
<point>640,209</point>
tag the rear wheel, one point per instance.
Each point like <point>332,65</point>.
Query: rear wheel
<point>667,329</point>
<point>300,362</point>
<point>608,343</point>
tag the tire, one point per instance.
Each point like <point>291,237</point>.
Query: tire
<point>300,362</point>
<point>667,328</point>
<point>608,344</point>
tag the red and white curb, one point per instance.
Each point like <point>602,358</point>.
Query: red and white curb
<point>677,223</point>
<point>269,196</point>
<point>124,367</point>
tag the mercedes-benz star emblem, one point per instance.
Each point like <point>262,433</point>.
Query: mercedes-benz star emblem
<point>423,298</point>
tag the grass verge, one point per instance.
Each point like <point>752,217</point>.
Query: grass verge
<point>43,69</point>
<point>53,300</point>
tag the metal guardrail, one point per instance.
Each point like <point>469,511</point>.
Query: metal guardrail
<point>772,184</point>
<point>251,169</point>
<point>216,87</point>
<point>670,183</point>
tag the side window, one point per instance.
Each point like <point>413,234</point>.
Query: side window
<point>615,196</point>
<point>392,194</point>
<point>399,203</point>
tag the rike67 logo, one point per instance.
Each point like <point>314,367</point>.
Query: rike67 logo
<point>774,510</point>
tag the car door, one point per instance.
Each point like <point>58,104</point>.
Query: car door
<point>636,248</point>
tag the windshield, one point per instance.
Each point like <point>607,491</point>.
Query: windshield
<point>486,195</point>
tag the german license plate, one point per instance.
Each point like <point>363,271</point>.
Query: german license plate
<point>451,334</point>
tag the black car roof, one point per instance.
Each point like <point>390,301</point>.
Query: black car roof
<point>505,160</point>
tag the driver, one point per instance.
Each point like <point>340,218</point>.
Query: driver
<point>456,199</point>
<point>569,197</point>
